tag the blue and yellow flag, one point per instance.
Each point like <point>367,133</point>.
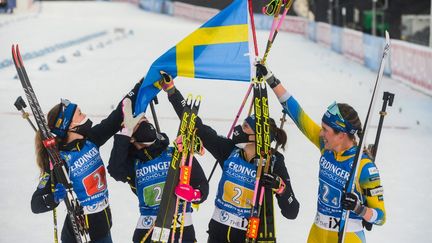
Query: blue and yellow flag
<point>219,49</point>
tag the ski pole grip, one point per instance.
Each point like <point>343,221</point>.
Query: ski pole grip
<point>390,97</point>
<point>19,103</point>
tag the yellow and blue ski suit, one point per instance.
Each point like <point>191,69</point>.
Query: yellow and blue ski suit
<point>334,171</point>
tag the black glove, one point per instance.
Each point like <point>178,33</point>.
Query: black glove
<point>262,70</point>
<point>350,201</point>
<point>273,182</point>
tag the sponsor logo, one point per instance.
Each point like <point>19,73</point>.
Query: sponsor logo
<point>242,169</point>
<point>162,166</point>
<point>224,216</point>
<point>84,158</point>
<point>373,171</point>
<point>377,191</point>
<point>326,165</point>
<point>147,221</point>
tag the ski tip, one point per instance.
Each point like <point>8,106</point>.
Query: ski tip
<point>198,100</point>
<point>387,36</point>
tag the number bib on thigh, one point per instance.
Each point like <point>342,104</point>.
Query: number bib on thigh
<point>88,176</point>
<point>236,187</point>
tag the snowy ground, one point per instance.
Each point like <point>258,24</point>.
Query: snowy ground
<point>98,78</point>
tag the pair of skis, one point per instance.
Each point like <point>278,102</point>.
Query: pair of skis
<point>263,152</point>
<point>73,207</point>
<point>170,204</point>
<point>353,178</point>
<point>261,226</point>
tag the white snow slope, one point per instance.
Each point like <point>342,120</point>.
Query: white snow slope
<point>98,78</point>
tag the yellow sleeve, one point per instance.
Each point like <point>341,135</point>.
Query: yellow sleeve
<point>371,189</point>
<point>306,125</point>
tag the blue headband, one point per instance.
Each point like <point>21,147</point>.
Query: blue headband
<point>333,118</point>
<point>64,118</point>
<point>251,121</point>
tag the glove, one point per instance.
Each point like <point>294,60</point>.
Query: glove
<point>262,70</point>
<point>350,201</point>
<point>187,193</point>
<point>166,83</point>
<point>59,193</point>
<point>129,122</point>
<point>273,182</point>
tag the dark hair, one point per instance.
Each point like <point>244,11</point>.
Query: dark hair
<point>279,134</point>
<point>42,158</point>
<point>350,115</point>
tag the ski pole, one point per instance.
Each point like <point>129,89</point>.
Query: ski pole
<point>153,111</point>
<point>252,20</point>
<point>388,98</point>
<point>233,124</point>
<point>20,105</point>
<point>282,120</point>
<point>275,31</point>
<point>373,148</point>
<point>247,92</point>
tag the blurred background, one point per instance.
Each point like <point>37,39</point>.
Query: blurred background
<point>407,20</point>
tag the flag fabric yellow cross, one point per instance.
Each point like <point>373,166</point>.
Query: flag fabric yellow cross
<point>219,49</point>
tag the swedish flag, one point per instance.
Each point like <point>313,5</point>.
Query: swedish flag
<point>219,49</point>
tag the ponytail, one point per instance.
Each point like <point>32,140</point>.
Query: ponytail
<point>280,135</point>
<point>42,157</point>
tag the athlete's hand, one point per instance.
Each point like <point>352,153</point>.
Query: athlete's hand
<point>264,71</point>
<point>187,193</point>
<point>129,121</point>
<point>350,201</point>
<point>274,182</point>
<point>166,83</point>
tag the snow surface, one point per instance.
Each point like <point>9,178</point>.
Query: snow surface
<point>97,79</point>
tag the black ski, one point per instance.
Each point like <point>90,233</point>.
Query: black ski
<point>73,207</point>
<point>167,207</point>
<point>263,152</point>
<point>267,230</point>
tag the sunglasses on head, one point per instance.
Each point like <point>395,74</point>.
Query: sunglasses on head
<point>334,110</point>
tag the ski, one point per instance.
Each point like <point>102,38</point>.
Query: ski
<point>350,184</point>
<point>266,230</point>
<point>184,179</point>
<point>262,146</point>
<point>73,207</point>
<point>168,207</point>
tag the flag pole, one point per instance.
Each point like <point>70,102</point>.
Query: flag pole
<point>252,21</point>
